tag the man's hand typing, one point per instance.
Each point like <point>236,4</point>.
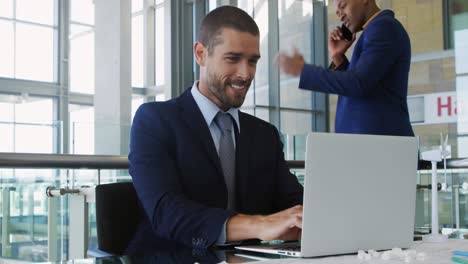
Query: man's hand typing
<point>284,225</point>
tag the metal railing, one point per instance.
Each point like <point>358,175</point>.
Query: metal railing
<point>65,161</point>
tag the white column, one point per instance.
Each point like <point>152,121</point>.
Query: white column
<point>112,99</point>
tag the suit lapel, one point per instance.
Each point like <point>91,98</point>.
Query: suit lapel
<point>195,121</point>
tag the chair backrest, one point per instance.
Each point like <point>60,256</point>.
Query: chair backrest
<point>117,216</point>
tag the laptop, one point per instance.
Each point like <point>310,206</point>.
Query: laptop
<point>359,194</point>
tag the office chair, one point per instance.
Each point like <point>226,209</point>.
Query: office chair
<point>117,216</point>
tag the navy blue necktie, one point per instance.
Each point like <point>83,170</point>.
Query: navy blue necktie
<point>227,155</point>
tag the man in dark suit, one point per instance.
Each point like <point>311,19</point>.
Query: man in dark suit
<point>373,87</point>
<point>205,172</point>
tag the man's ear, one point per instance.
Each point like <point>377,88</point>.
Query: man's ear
<point>200,52</point>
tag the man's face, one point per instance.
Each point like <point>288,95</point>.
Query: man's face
<point>229,69</point>
<point>351,13</point>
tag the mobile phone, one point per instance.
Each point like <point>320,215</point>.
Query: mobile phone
<point>347,35</point>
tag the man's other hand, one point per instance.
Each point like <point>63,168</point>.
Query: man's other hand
<point>291,65</point>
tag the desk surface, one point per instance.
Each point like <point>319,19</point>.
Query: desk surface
<point>434,254</point>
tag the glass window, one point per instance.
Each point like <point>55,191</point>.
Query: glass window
<point>137,51</point>
<point>295,122</point>
<point>6,140</point>
<point>7,49</point>
<point>6,127</point>
<point>6,109</point>
<point>34,110</point>
<point>462,111</point>
<point>294,146</point>
<point>416,109</point>
<point>299,14</point>
<point>262,113</point>
<point>457,18</point>
<point>76,30</point>
<point>136,102</point>
<point>42,142</point>
<point>6,8</point>
<point>461,52</point>
<point>25,116</point>
<point>81,129</point>
<point>262,76</point>
<point>160,40</point>
<point>82,11</point>
<point>27,49</point>
<point>82,62</point>
<point>212,5</point>
<point>82,52</point>
<point>137,5</point>
<point>34,52</point>
<point>161,97</point>
<point>39,11</point>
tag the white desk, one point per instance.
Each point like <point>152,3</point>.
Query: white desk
<point>435,254</point>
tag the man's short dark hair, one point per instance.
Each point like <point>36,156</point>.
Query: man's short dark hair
<point>224,17</point>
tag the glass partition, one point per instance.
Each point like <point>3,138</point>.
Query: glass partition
<point>453,201</point>
<point>25,210</point>
<point>24,213</point>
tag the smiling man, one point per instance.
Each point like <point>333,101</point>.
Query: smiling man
<point>205,172</point>
<point>373,86</point>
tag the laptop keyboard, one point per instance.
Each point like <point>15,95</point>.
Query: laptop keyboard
<point>289,248</point>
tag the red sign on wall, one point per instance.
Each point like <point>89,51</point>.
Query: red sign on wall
<point>440,108</point>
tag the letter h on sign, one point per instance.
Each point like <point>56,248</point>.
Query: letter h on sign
<point>447,105</point>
